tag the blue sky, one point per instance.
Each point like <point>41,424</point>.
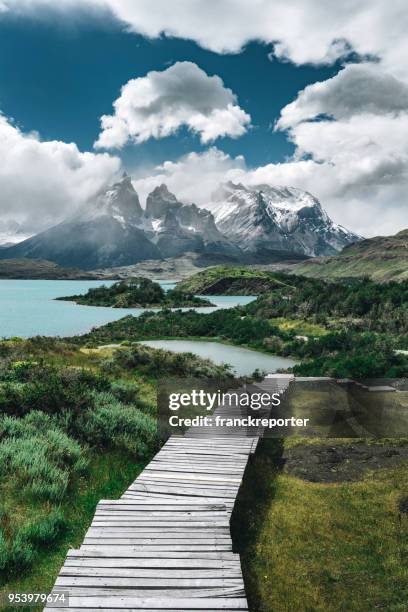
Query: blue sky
<point>198,88</point>
<point>60,80</point>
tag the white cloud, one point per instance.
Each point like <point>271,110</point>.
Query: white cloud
<point>367,207</point>
<point>357,89</point>
<point>302,31</point>
<point>358,161</point>
<point>43,182</point>
<point>193,177</point>
<point>158,104</point>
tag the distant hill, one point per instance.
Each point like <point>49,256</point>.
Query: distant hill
<point>226,280</point>
<point>383,259</point>
<point>42,269</point>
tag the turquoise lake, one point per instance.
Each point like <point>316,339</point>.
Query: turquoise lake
<point>244,361</point>
<point>28,308</point>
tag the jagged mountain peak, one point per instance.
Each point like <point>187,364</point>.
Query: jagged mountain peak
<point>269,217</point>
<point>163,191</point>
<point>119,202</point>
<point>160,201</point>
<point>280,196</point>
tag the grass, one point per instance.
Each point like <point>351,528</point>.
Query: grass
<point>108,476</point>
<point>322,547</point>
<point>301,327</point>
<point>205,279</point>
<point>378,269</point>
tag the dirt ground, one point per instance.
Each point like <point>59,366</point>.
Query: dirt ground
<point>341,462</point>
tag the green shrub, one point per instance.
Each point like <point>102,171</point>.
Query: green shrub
<point>51,390</point>
<point>21,555</point>
<point>33,422</point>
<point>20,552</point>
<point>43,532</point>
<point>146,406</point>
<point>4,552</point>
<point>20,371</point>
<point>113,424</point>
<point>125,391</point>
<point>159,362</point>
<point>41,458</point>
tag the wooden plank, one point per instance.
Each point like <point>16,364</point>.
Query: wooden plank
<point>159,539</point>
<point>187,484</point>
<point>197,469</point>
<point>184,531</point>
<point>153,564</point>
<point>159,546</point>
<point>122,552</point>
<point>190,476</point>
<point>146,582</point>
<point>150,504</point>
<point>154,572</point>
<point>199,492</point>
<point>102,609</point>
<point>168,592</point>
<point>71,609</point>
<point>172,520</point>
<point>138,514</point>
<point>158,603</point>
<point>165,505</point>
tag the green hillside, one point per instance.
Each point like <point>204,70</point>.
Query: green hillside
<point>383,258</point>
<point>226,280</point>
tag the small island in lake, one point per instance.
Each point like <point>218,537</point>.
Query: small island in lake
<point>137,292</point>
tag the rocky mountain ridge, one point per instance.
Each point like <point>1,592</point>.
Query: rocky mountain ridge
<point>263,218</point>
<point>242,224</point>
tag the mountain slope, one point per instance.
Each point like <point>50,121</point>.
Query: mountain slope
<point>263,218</point>
<point>382,259</point>
<point>96,243</point>
<point>177,228</point>
<point>114,230</point>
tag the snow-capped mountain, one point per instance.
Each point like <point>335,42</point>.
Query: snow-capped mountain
<point>114,230</point>
<point>177,228</point>
<point>120,202</point>
<point>243,224</point>
<point>265,218</point>
<point>104,233</point>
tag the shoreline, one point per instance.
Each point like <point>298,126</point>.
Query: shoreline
<point>140,307</point>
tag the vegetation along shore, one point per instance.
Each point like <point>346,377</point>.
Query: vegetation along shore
<point>137,292</point>
<point>351,329</point>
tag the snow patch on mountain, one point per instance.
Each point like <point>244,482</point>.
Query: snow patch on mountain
<point>265,217</point>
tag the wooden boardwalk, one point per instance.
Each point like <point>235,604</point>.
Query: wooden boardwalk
<point>166,544</point>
